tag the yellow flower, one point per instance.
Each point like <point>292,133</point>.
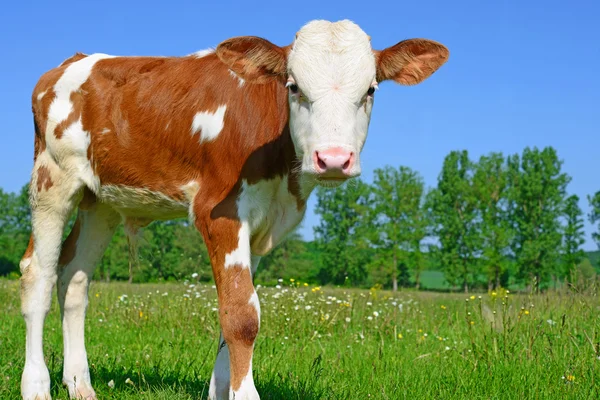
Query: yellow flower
<point>305,284</point>
<point>494,294</point>
<point>291,279</point>
<point>141,314</point>
<point>420,330</point>
<point>472,297</point>
<point>472,322</point>
<point>443,307</point>
<point>570,378</point>
<point>400,336</point>
<point>440,338</point>
<point>97,294</point>
<point>526,312</point>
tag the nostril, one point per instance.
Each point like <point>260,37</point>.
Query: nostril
<point>321,163</point>
<point>346,165</point>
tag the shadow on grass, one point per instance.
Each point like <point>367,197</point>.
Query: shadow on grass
<point>149,385</point>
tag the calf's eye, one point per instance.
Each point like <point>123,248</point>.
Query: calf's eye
<point>293,88</point>
<point>371,91</point>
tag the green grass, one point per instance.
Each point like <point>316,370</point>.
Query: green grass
<point>327,344</point>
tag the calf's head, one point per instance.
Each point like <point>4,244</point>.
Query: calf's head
<point>332,74</point>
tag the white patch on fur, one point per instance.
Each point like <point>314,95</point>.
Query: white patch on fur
<point>241,255</point>
<point>41,95</point>
<point>247,390</point>
<point>70,151</point>
<point>203,53</point>
<point>240,80</point>
<point>334,66</point>
<point>209,124</point>
<point>256,304</point>
<point>190,190</point>
<point>105,131</point>
<point>219,380</point>
<point>71,80</point>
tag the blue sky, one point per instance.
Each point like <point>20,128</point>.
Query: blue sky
<point>521,73</point>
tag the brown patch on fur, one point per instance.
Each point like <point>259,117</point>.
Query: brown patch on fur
<point>411,61</point>
<point>75,57</point>
<point>44,180</point>
<point>29,250</point>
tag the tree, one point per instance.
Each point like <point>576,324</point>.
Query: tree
<point>538,190</point>
<point>453,207</point>
<point>339,240</point>
<point>15,228</point>
<point>490,184</point>
<point>594,216</point>
<point>289,260</point>
<point>398,222</point>
<point>573,237</point>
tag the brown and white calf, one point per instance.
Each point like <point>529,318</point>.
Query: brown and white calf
<point>236,138</point>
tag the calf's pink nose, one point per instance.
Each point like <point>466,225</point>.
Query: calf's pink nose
<point>334,161</point>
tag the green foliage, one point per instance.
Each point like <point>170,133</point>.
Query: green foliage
<point>292,259</point>
<point>490,184</point>
<point>594,215</point>
<point>453,206</point>
<point>15,228</point>
<point>573,237</point>
<point>397,226</point>
<point>168,250</point>
<point>538,189</point>
<point>340,236</point>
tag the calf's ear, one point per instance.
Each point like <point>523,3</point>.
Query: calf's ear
<point>410,61</point>
<point>253,59</point>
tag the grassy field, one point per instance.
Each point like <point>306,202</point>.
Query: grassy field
<point>160,341</point>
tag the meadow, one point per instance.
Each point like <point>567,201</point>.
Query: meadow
<point>159,341</point>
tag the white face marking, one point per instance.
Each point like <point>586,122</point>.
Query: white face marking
<point>203,53</point>
<point>333,66</point>
<point>105,131</point>
<point>209,124</point>
<point>235,76</point>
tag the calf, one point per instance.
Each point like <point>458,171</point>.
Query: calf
<point>235,138</point>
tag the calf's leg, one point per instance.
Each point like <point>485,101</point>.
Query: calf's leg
<point>228,243</point>
<point>53,196</point>
<point>220,379</point>
<point>95,225</point>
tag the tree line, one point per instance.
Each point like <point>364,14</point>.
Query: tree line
<point>496,221</point>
